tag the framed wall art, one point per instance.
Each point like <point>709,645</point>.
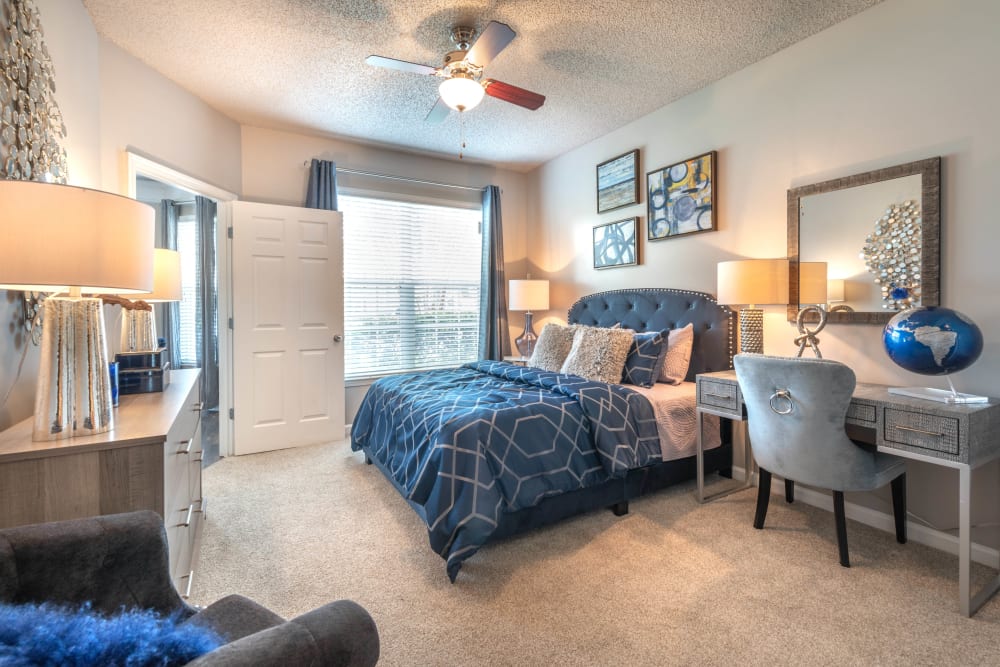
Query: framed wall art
<point>618,182</point>
<point>681,198</point>
<point>616,244</point>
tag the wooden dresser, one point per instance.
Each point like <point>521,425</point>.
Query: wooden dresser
<point>150,460</point>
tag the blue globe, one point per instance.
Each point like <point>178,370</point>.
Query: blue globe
<point>931,340</point>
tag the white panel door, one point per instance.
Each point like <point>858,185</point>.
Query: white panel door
<point>288,319</point>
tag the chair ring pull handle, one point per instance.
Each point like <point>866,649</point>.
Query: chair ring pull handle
<point>777,397</point>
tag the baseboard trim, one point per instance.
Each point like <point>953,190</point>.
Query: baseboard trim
<point>883,521</point>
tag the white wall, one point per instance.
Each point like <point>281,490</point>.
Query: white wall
<point>273,172</point>
<point>904,80</point>
<point>143,110</point>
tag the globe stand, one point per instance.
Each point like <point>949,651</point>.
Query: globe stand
<point>939,395</point>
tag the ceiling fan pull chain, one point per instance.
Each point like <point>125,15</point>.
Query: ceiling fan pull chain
<point>461,134</point>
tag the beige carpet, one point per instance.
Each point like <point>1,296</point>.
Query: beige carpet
<point>673,582</point>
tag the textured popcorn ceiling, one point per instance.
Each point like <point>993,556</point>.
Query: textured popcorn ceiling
<point>299,64</point>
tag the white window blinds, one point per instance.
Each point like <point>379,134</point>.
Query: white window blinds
<point>411,286</point>
<point>189,307</point>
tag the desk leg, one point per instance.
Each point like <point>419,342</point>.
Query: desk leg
<point>700,456</point>
<point>964,539</point>
<point>748,465</point>
<point>968,604</point>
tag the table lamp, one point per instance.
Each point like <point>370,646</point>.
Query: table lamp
<point>528,295</point>
<point>69,240</point>
<point>139,323</point>
<point>752,282</point>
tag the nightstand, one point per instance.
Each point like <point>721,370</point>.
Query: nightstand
<point>520,361</point>
<point>719,394</point>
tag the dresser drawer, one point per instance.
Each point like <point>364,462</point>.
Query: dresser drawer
<point>932,432</point>
<point>720,395</point>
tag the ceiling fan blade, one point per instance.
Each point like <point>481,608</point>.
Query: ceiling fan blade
<point>438,112</point>
<point>513,94</point>
<point>401,65</point>
<point>492,41</point>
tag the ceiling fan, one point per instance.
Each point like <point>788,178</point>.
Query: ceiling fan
<point>463,86</point>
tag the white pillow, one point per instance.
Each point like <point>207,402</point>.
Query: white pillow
<point>678,357</point>
<point>599,353</point>
<point>552,347</point>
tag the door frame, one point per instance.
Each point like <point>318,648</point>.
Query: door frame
<point>137,164</point>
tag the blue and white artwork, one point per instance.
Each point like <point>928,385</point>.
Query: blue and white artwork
<point>618,182</point>
<point>616,244</point>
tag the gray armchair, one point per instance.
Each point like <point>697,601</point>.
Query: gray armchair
<point>795,415</point>
<point>121,560</point>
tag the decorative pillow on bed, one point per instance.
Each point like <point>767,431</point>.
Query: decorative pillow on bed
<point>598,353</point>
<point>552,347</point>
<point>645,358</point>
<point>678,358</point>
<point>48,635</point>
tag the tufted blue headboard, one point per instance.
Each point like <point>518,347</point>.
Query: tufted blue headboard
<point>656,309</point>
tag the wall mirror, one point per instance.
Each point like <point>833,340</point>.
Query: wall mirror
<point>877,235</point>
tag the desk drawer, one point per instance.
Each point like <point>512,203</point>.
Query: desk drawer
<point>861,413</point>
<point>725,395</point>
<point>933,432</point>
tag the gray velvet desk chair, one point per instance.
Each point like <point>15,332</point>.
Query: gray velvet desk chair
<point>795,415</point>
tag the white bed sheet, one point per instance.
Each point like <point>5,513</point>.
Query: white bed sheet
<point>676,419</point>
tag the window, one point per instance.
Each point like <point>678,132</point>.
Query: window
<point>189,244</point>
<point>411,286</point>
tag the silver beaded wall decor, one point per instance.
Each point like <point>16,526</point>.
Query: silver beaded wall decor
<point>892,253</point>
<point>31,125</point>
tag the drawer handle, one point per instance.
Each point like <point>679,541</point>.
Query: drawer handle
<point>187,520</point>
<point>197,460</point>
<point>199,406</point>
<point>187,589</point>
<point>920,430</point>
<point>187,449</point>
<point>708,393</point>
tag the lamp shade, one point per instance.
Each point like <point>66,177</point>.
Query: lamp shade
<point>812,282</point>
<point>835,288</point>
<point>166,277</point>
<point>61,236</point>
<point>461,93</point>
<point>753,281</point>
<point>529,295</point>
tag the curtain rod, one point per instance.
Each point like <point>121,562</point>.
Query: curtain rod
<point>358,172</point>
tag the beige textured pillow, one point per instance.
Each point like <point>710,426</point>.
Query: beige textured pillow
<point>675,364</point>
<point>599,353</point>
<point>552,347</point>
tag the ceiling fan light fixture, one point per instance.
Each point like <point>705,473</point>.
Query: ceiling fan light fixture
<point>461,93</point>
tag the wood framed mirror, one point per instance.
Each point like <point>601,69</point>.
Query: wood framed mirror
<point>876,235</point>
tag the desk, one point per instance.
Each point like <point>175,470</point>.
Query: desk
<point>962,437</point>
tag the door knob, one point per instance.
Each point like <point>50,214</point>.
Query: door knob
<point>337,338</point>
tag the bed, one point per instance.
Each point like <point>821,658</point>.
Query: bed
<point>492,449</point>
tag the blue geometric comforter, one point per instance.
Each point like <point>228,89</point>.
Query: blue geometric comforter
<point>466,445</point>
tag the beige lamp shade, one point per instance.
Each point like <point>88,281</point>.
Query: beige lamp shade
<point>60,236</point>
<point>753,282</point>
<point>166,277</point>
<point>529,295</point>
<point>835,288</point>
<point>812,282</point>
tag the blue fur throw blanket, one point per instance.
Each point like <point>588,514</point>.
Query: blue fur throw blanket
<point>48,635</point>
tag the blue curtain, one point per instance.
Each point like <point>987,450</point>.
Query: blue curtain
<point>322,189</point>
<point>494,336</point>
<point>170,320</point>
